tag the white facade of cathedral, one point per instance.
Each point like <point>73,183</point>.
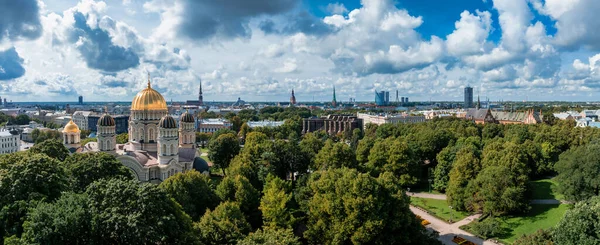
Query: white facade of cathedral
<point>158,146</point>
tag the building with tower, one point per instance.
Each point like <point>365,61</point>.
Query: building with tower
<point>468,97</point>
<point>200,101</point>
<point>293,99</point>
<point>159,145</point>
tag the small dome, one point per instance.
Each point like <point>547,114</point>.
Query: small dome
<point>187,118</point>
<point>167,122</point>
<point>106,121</point>
<point>71,127</point>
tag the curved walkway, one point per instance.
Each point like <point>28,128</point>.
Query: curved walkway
<point>448,231</point>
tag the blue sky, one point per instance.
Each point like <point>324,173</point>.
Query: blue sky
<point>55,50</point>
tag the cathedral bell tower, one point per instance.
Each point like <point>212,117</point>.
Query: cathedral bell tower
<point>168,141</point>
<point>187,131</point>
<point>107,136</point>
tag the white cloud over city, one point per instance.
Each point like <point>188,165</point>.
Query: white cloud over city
<point>259,50</point>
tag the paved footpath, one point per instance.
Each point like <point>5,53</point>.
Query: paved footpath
<point>448,231</point>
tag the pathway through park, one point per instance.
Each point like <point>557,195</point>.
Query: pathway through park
<point>448,231</point>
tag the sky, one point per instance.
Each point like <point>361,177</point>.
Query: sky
<point>259,50</point>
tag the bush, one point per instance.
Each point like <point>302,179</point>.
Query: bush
<point>490,227</point>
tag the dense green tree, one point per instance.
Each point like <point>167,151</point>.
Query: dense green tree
<point>275,203</point>
<point>350,207</point>
<point>122,138</point>
<point>85,168</point>
<point>224,225</point>
<point>202,138</point>
<point>39,136</point>
<point>52,148</point>
<point>465,168</point>
<point>66,221</point>
<point>363,149</point>
<point>580,224</point>
<point>223,149</point>
<point>26,179</point>
<point>220,132</point>
<point>244,130</point>
<point>445,161</point>
<point>271,237</point>
<point>578,170</point>
<point>497,191</point>
<point>335,155</point>
<point>21,120</point>
<point>394,155</point>
<point>236,123</point>
<point>238,189</point>
<point>291,160</point>
<point>488,228</point>
<point>540,237</point>
<point>193,191</point>
<point>127,212</point>
<point>311,144</point>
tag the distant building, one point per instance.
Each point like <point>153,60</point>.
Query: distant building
<point>81,119</point>
<point>332,124</point>
<point>268,124</point>
<point>393,119</point>
<point>468,97</point>
<point>382,98</point>
<point>9,141</point>
<point>200,100</point>
<point>121,123</point>
<point>212,125</point>
<point>587,122</point>
<point>484,116</point>
<point>293,99</point>
<point>80,100</point>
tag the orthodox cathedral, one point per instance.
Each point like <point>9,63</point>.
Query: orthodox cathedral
<point>158,146</point>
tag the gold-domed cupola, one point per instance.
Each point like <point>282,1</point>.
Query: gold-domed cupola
<point>71,127</point>
<point>148,99</point>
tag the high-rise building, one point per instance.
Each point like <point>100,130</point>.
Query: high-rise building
<point>382,98</point>
<point>293,99</point>
<point>468,97</point>
<point>80,100</point>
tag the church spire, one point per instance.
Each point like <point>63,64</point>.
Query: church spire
<point>478,103</point>
<point>200,99</point>
<point>334,101</point>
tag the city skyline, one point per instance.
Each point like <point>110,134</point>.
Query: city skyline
<point>518,50</point>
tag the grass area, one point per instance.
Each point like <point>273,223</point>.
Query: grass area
<point>545,189</point>
<point>438,208</point>
<point>205,157</point>
<point>539,217</point>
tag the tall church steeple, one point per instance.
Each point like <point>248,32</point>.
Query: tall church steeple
<point>293,99</point>
<point>200,94</point>
<point>334,101</point>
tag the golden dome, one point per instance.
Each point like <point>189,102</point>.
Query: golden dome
<point>148,99</point>
<point>71,127</point>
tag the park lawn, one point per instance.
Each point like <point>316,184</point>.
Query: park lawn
<point>541,216</point>
<point>438,208</point>
<point>545,189</point>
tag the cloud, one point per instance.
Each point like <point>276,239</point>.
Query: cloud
<point>209,19</point>
<point>470,35</point>
<point>576,22</point>
<point>11,64</point>
<point>336,8</point>
<point>19,19</point>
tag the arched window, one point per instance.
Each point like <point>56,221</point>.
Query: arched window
<point>72,139</point>
<point>172,150</point>
<point>164,149</point>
